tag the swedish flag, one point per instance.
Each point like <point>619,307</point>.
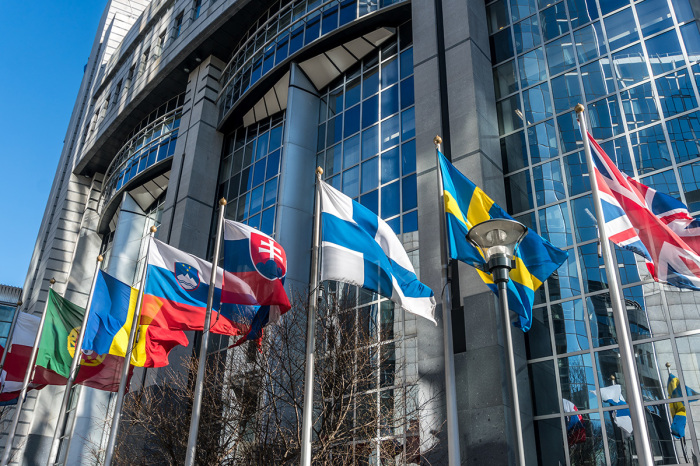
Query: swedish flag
<point>466,205</point>
<point>678,407</point>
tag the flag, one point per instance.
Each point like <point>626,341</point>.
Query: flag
<point>56,349</point>
<point>535,258</point>
<point>175,300</point>
<point>360,248</point>
<point>678,407</point>
<point>651,224</point>
<point>111,315</point>
<point>22,343</point>
<point>613,396</point>
<point>575,430</point>
<point>253,282</point>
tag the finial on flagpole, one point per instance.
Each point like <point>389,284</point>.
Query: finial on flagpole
<point>668,367</point>
<point>222,202</point>
<point>578,108</point>
<point>319,171</point>
<point>52,281</point>
<point>437,140</point>
<point>100,258</point>
<point>19,303</point>
<point>154,229</point>
<point>612,377</point>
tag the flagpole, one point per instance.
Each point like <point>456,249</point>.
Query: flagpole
<point>198,387</point>
<point>77,356</point>
<point>307,423</point>
<point>450,392</point>
<point>25,384</point>
<point>635,402</point>
<point>8,341</point>
<point>111,443</point>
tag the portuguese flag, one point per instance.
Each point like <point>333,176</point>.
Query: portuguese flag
<point>56,350</point>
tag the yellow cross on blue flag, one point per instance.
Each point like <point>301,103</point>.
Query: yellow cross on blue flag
<point>535,258</point>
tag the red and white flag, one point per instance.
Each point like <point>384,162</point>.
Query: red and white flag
<point>22,343</point>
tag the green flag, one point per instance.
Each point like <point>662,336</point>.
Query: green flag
<point>63,321</point>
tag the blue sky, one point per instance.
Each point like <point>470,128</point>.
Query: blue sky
<point>45,45</point>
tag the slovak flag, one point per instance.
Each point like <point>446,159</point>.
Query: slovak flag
<point>252,292</point>
<point>651,224</point>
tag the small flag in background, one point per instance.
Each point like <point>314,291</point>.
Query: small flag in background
<point>360,248</point>
<point>536,259</point>
<point>255,266</point>
<point>651,224</point>
<point>678,407</point>
<point>18,358</point>
<point>575,430</point>
<point>613,396</point>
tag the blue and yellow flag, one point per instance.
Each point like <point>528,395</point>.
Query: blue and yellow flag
<point>466,205</point>
<point>678,408</point>
<point>111,315</point>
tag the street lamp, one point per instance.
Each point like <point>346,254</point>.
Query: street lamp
<point>497,240</point>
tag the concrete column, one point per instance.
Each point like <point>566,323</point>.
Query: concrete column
<point>429,338</point>
<point>126,246</point>
<point>483,396</point>
<point>190,200</point>
<point>297,180</point>
<point>191,197</point>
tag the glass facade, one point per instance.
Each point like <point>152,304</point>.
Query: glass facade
<point>366,134</point>
<point>152,141</point>
<point>287,27</point>
<point>248,177</point>
<point>634,66</point>
<point>366,144</point>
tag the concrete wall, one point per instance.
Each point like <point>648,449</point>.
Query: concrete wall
<point>455,99</point>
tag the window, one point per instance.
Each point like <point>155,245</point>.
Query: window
<point>117,92</point>
<point>130,77</point>
<point>103,109</point>
<point>177,28</point>
<point>196,9</point>
<point>161,44</point>
<point>93,121</point>
<point>144,60</point>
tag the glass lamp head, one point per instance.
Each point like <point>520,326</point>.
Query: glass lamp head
<point>497,237</point>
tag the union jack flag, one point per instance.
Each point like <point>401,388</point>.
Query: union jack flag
<point>649,223</point>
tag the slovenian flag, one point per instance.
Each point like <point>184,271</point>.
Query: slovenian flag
<point>255,266</point>
<point>174,301</point>
<point>360,248</point>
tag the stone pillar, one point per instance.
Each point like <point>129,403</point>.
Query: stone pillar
<point>190,201</point>
<point>483,392</point>
<point>429,337</point>
<point>126,246</point>
<point>297,180</point>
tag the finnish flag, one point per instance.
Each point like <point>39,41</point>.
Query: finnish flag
<point>360,248</point>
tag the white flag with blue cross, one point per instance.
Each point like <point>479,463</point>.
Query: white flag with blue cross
<point>359,248</point>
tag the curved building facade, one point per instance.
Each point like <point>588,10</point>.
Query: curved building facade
<point>187,101</point>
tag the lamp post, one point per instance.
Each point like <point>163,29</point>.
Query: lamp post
<point>497,240</point>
